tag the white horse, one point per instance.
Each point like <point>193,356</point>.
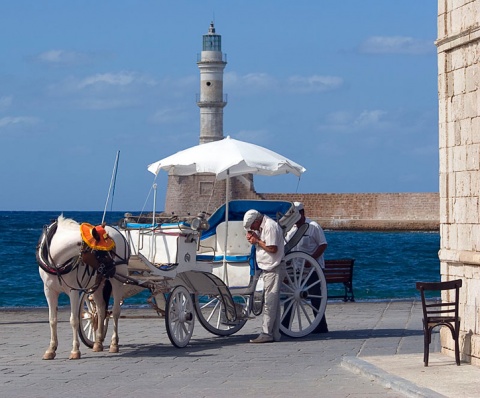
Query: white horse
<point>65,247</point>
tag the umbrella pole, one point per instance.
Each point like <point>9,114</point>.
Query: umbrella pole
<point>153,242</point>
<point>227,195</point>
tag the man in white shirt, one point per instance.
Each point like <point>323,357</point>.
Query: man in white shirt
<point>267,236</point>
<point>314,243</point>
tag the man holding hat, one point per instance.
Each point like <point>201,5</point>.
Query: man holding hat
<point>267,236</point>
<point>314,243</point>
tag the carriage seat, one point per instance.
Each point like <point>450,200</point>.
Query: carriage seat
<point>238,247</point>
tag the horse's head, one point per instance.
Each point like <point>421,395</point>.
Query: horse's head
<point>103,248</point>
<point>98,249</point>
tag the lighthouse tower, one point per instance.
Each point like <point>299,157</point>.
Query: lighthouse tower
<point>202,192</point>
<point>211,100</point>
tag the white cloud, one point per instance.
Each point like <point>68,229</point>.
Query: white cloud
<point>296,83</point>
<point>371,118</point>
<point>10,121</point>
<point>115,79</point>
<point>62,58</point>
<point>396,45</point>
<point>5,102</point>
<point>343,121</point>
<point>314,83</point>
<point>250,81</point>
<point>339,118</point>
<point>101,82</point>
<point>105,90</point>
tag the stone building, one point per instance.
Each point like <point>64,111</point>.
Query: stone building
<point>458,47</point>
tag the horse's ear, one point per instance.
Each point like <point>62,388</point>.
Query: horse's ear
<point>95,234</point>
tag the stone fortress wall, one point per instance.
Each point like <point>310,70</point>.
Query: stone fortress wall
<point>369,211</point>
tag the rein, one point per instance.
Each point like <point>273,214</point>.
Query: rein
<point>76,267</point>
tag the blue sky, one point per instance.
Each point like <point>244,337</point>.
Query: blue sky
<point>346,88</point>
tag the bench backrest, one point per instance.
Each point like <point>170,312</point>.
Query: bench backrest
<point>237,243</point>
<point>339,270</point>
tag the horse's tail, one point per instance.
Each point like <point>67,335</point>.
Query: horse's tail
<point>43,255</point>
<point>107,291</point>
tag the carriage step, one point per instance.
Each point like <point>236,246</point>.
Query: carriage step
<point>138,262</point>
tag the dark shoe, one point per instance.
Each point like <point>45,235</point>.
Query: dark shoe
<point>262,338</point>
<point>322,326</point>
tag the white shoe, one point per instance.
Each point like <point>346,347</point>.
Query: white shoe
<point>262,338</point>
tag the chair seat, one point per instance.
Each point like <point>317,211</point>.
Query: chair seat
<point>440,319</point>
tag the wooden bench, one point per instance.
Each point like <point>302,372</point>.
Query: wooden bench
<point>341,271</point>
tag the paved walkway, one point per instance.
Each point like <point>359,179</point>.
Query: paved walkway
<point>372,350</point>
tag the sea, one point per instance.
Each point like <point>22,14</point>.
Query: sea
<point>387,264</point>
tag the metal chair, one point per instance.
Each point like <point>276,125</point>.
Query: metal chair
<point>440,313</point>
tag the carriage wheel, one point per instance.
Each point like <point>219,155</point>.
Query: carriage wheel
<point>179,317</point>
<point>211,314</point>
<point>258,301</point>
<point>88,315</point>
<point>303,296</point>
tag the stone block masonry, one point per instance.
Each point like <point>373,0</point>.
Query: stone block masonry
<point>369,211</point>
<point>458,47</point>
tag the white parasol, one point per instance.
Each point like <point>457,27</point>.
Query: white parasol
<point>227,157</point>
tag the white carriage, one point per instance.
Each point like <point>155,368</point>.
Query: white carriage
<point>206,268</point>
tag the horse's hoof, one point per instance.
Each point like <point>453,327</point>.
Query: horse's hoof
<point>75,355</point>
<point>98,347</point>
<point>113,349</point>
<point>49,355</point>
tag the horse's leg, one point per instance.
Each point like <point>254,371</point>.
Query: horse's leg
<point>101,307</point>
<point>75,323</point>
<point>117,289</point>
<point>52,300</point>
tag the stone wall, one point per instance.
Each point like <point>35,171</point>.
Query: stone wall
<point>201,192</point>
<point>459,139</point>
<point>369,211</point>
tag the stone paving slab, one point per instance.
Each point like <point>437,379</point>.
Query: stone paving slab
<point>442,377</point>
<point>212,366</point>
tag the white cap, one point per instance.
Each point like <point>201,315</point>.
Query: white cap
<point>298,205</point>
<point>249,218</point>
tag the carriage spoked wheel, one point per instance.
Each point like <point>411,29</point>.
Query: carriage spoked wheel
<point>89,320</point>
<point>303,295</point>
<point>258,301</point>
<point>180,316</point>
<point>211,313</point>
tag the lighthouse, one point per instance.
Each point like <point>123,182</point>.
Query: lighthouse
<point>202,192</point>
<point>211,99</point>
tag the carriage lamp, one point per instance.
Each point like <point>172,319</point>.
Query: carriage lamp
<point>200,223</point>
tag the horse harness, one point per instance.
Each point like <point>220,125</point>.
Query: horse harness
<point>96,252</point>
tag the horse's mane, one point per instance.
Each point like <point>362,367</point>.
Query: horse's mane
<point>67,223</point>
